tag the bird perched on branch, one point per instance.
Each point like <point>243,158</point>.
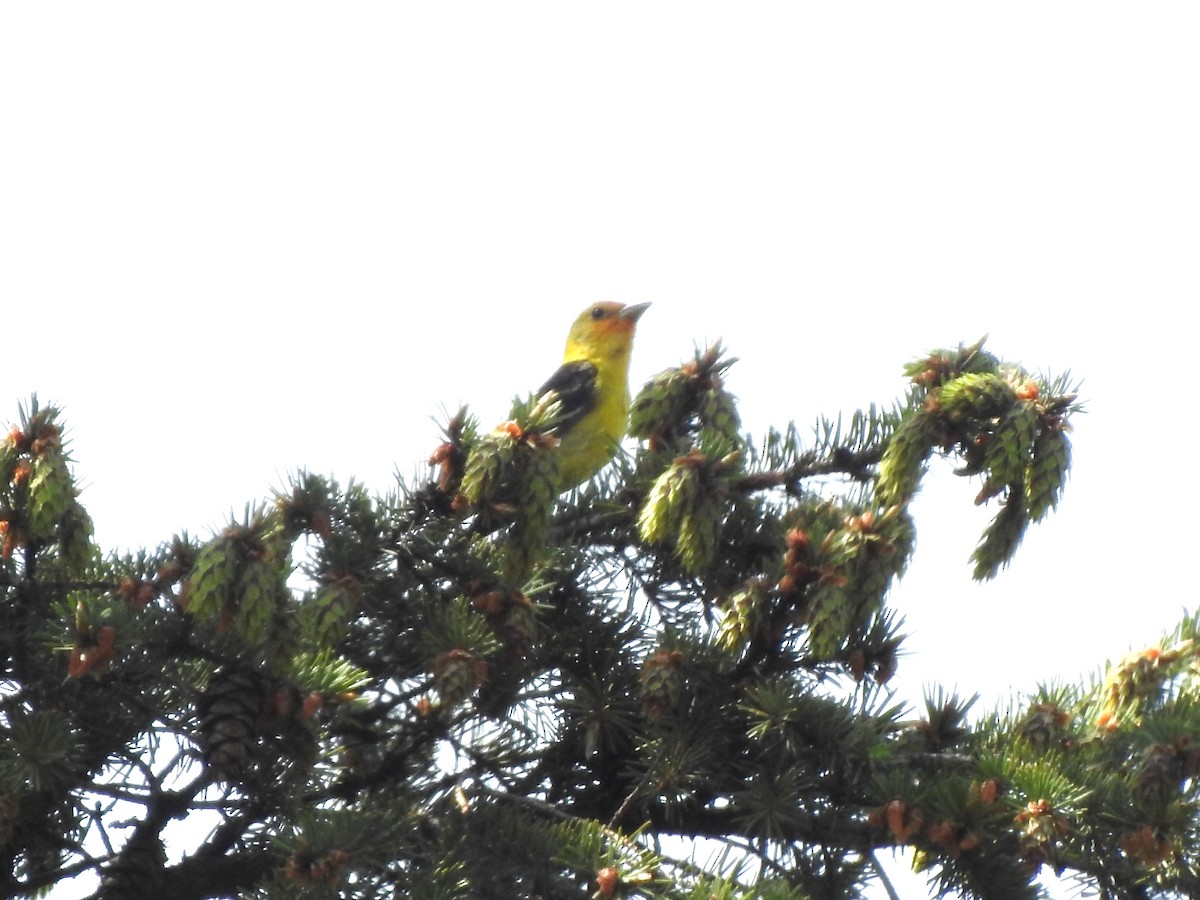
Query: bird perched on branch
<point>563,436</point>
<point>591,388</point>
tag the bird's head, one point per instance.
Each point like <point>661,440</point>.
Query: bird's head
<point>604,329</point>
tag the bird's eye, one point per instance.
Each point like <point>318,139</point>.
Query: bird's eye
<point>597,312</point>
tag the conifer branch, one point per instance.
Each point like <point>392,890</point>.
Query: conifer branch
<point>681,645</point>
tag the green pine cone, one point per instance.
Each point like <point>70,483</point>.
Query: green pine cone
<point>830,612</point>
<point>210,588</point>
<point>699,533</point>
<point>741,617</point>
<point>75,537</point>
<point>257,598</point>
<point>1001,537</point>
<point>669,501</point>
<point>873,579</point>
<point>534,479</point>
<point>904,458</point>
<point>659,404</point>
<point>718,413</point>
<point>540,478</point>
<point>485,464</point>
<point>324,617</point>
<point>51,491</point>
<point>1011,446</point>
<point>1047,474</point>
<point>976,395</point>
<point>874,569</point>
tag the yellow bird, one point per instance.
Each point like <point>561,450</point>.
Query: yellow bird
<point>592,388</point>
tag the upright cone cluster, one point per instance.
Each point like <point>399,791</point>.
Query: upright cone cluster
<point>39,504</point>
<point>677,404</point>
<point>686,507</point>
<point>690,423</point>
<point>238,579</point>
<point>511,480</point>
<point>1008,427</point>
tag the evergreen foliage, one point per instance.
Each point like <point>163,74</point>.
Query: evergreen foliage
<point>666,684</point>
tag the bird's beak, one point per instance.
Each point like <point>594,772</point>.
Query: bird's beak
<point>634,312</point>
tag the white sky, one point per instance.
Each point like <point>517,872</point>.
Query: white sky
<point>241,238</point>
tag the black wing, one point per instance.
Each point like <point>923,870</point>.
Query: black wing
<point>574,384</point>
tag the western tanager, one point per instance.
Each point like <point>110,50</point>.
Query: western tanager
<point>592,389</point>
